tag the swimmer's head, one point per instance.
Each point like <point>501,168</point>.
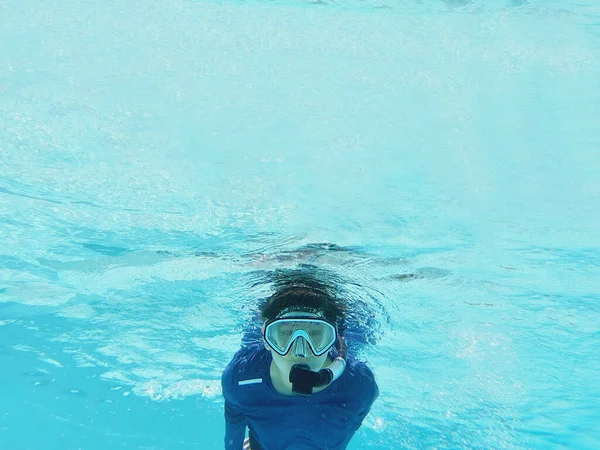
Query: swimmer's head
<point>304,323</point>
<point>302,301</point>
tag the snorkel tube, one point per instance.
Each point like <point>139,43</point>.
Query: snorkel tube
<point>305,380</point>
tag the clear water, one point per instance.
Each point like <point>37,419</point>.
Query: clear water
<point>157,157</point>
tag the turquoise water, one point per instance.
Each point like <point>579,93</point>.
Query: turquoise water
<point>158,158</point>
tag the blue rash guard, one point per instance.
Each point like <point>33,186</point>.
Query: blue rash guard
<point>324,420</point>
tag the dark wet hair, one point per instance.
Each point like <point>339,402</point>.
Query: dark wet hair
<point>352,307</point>
<point>302,299</point>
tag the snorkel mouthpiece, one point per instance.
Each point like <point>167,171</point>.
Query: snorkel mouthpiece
<point>304,380</point>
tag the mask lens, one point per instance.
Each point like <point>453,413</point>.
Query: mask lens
<point>319,334</point>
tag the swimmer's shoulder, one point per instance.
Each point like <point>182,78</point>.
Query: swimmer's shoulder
<point>250,362</point>
<point>362,379</point>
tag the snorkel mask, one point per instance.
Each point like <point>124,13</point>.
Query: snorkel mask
<point>320,335</point>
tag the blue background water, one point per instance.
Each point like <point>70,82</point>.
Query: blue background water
<point>156,156</point>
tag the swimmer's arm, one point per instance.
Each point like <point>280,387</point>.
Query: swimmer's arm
<point>235,427</point>
<point>235,419</point>
<point>369,392</point>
